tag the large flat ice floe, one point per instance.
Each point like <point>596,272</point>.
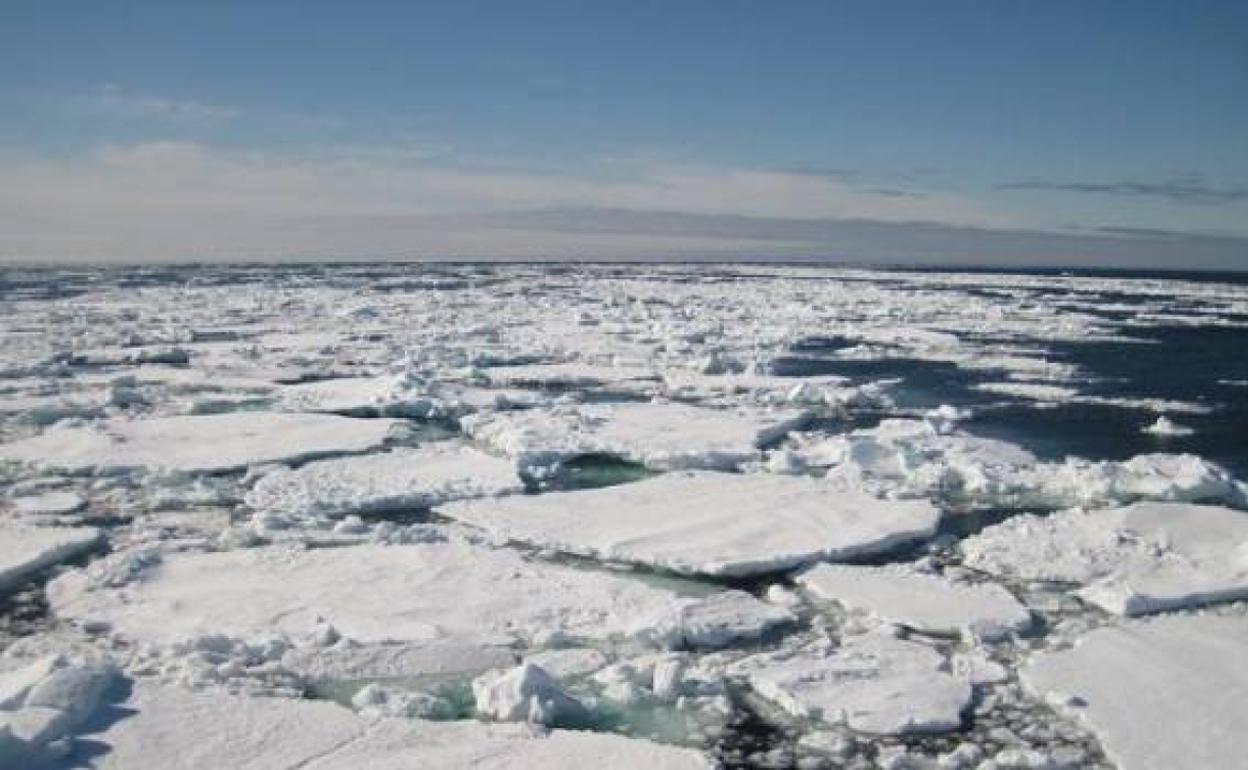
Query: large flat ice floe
<point>1133,560</point>
<point>920,601</point>
<point>25,551</point>
<point>378,593</point>
<point>707,523</point>
<point>169,727</point>
<point>198,443</point>
<point>872,683</point>
<point>661,435</point>
<point>400,479</point>
<point>1162,693</point>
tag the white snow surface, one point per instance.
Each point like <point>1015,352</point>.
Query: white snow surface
<point>872,683</point>
<point>171,727</point>
<point>707,523</point>
<point>930,603</point>
<point>198,443</point>
<point>1133,560</point>
<point>25,550</point>
<point>665,436</point>
<point>403,478</point>
<point>368,593</point>
<point>1162,693</point>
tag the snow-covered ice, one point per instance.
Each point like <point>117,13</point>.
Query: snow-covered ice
<point>665,436</point>
<point>1133,560</point>
<point>921,601</point>
<point>708,523</point>
<point>1160,693</point>
<point>25,551</point>
<point>198,443</point>
<point>403,478</point>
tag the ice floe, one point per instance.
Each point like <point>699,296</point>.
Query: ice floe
<point>920,601</point>
<point>1161,693</point>
<point>400,479</point>
<point>872,683</point>
<point>708,523</point>
<point>661,435</point>
<point>1133,560</point>
<point>198,443</point>
<point>42,705</point>
<point>25,551</point>
<point>373,594</point>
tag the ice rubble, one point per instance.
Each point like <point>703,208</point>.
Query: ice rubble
<point>661,435</point>
<point>526,693</point>
<point>1160,693</point>
<point>872,683</point>
<point>902,457</point>
<point>707,523</point>
<point>373,594</point>
<point>43,703</point>
<point>925,602</point>
<point>565,375</point>
<point>170,727</point>
<point>25,551</point>
<point>53,503</point>
<point>198,443</point>
<point>1133,560</point>
<point>403,478</point>
<point>1165,427</point>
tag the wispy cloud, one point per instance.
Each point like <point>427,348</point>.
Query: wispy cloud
<point>114,101</point>
<point>1188,189</point>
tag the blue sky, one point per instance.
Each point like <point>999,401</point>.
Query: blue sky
<point>1091,131</point>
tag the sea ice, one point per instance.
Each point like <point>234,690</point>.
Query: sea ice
<point>526,693</point>
<point>921,601</point>
<point>1133,560</point>
<point>25,551</point>
<point>1165,427</point>
<point>1161,693</point>
<point>369,593</point>
<point>707,523</point>
<point>665,436</point>
<point>55,503</point>
<point>401,479</point>
<point>198,443</point>
<point>170,727</point>
<point>872,683</point>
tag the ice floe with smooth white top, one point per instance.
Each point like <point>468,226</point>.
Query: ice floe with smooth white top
<point>925,602</point>
<point>198,443</point>
<point>665,436</point>
<point>374,594</point>
<point>872,683</point>
<point>1160,693</point>
<point>24,551</point>
<point>403,478</point>
<point>707,523</point>
<point>171,727</point>
<point>902,458</point>
<point>1133,560</point>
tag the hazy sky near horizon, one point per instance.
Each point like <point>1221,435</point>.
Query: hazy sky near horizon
<point>933,131</point>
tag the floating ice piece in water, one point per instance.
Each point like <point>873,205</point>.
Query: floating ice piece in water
<point>565,375</point>
<point>1138,559</point>
<point>361,662</point>
<point>660,435</point>
<point>397,480</point>
<point>171,727</point>
<point>708,523</point>
<point>1166,428</point>
<point>199,443</point>
<point>526,693</point>
<point>368,593</point>
<point>872,683</point>
<point>25,551</point>
<point>57,503</point>
<point>1030,390</point>
<point>924,602</point>
<point>715,621</point>
<point>1162,693</point>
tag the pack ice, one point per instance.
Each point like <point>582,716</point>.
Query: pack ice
<point>374,594</point>
<point>664,436</point>
<point>1133,560</point>
<point>24,551</point>
<point>701,522</point>
<point>198,443</point>
<point>1160,693</point>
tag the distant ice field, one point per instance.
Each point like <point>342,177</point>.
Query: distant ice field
<point>668,515</point>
